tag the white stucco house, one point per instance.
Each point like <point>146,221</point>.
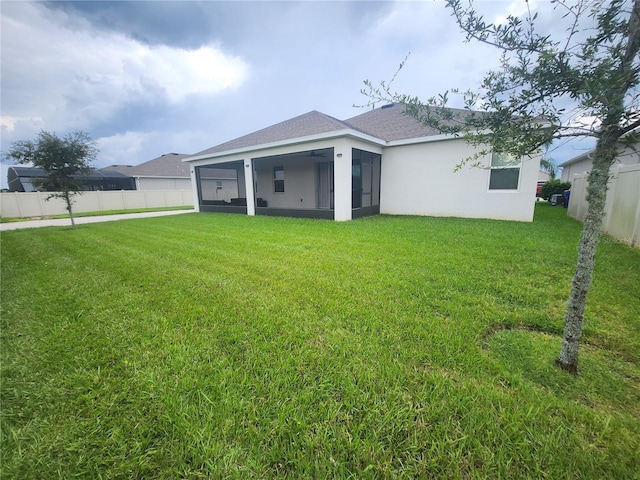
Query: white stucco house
<point>583,163</point>
<point>381,161</point>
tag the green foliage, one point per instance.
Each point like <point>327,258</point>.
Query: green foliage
<point>226,346</point>
<point>553,187</point>
<point>62,159</point>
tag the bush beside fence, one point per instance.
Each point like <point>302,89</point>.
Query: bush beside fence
<point>35,204</point>
<point>622,219</point>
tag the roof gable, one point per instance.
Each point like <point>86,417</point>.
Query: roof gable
<point>312,123</point>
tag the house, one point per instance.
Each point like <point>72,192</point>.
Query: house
<point>622,207</point>
<point>382,161</point>
<point>20,179</point>
<point>543,177</point>
<point>169,172</point>
<point>583,163</point>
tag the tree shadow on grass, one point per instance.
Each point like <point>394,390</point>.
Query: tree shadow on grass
<point>606,380</point>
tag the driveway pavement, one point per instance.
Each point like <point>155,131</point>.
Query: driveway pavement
<point>61,222</point>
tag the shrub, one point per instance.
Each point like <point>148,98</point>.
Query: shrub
<point>554,186</point>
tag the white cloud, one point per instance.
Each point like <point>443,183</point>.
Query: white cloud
<point>88,75</point>
<point>519,9</point>
<point>122,148</point>
<point>134,147</point>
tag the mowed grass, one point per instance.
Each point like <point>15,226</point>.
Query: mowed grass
<point>223,346</point>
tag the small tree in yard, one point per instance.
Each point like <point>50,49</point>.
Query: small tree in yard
<point>593,72</point>
<point>63,160</point>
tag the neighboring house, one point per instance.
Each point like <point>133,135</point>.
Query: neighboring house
<point>622,208</point>
<point>583,163</point>
<point>169,172</point>
<point>381,161</point>
<point>543,177</point>
<point>20,179</point>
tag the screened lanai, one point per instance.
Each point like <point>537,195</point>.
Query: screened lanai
<point>298,184</point>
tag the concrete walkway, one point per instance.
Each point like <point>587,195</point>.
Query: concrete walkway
<point>65,222</point>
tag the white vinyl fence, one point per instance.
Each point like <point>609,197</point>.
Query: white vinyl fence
<point>622,219</point>
<point>35,204</point>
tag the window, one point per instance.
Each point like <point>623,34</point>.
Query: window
<point>278,179</point>
<point>218,184</point>
<point>505,172</point>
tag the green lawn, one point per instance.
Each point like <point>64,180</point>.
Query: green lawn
<point>224,346</point>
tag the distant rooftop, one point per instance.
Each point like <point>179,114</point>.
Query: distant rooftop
<point>167,165</point>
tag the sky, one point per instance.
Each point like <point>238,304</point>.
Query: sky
<point>151,77</point>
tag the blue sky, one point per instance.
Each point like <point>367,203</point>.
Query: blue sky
<point>148,78</point>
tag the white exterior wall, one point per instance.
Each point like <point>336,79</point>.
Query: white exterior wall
<point>622,209</point>
<point>628,156</point>
<point>419,179</point>
<point>569,171</point>
<point>342,188</point>
<point>299,183</point>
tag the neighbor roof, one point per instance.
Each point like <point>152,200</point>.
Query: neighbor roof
<point>167,165</point>
<point>577,159</point>
<point>388,123</point>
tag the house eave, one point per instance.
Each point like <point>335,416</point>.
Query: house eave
<point>428,139</point>
<point>576,159</point>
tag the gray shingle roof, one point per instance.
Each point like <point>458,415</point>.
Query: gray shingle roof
<point>167,165</point>
<point>312,123</point>
<point>388,123</point>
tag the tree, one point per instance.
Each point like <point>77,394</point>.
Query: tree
<point>549,166</point>
<point>63,160</point>
<point>584,84</point>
